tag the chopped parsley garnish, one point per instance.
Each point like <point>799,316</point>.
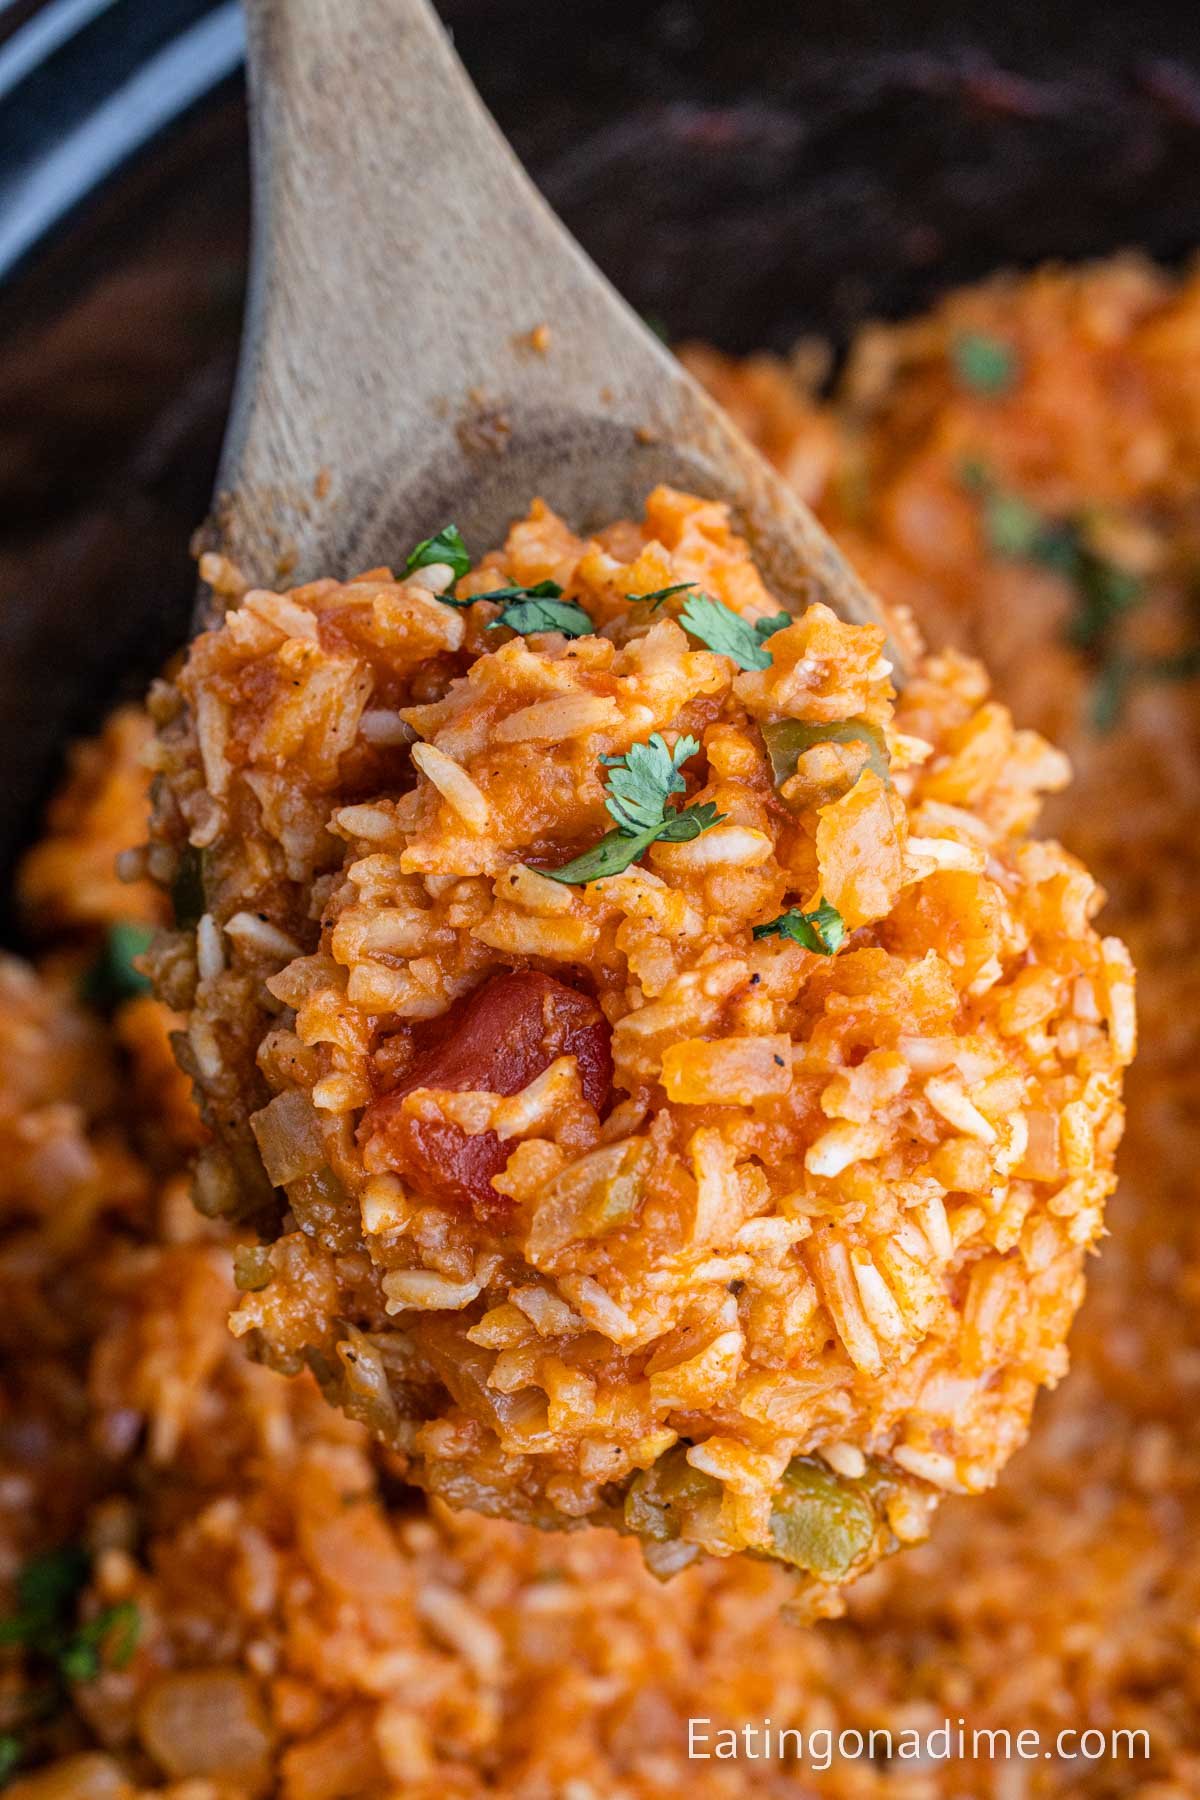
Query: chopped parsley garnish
<point>1111,692</point>
<point>823,930</point>
<point>639,786</point>
<point>983,363</point>
<point>1014,529</point>
<point>112,977</point>
<point>541,590</point>
<point>538,608</point>
<point>656,596</point>
<point>113,1632</point>
<point>728,633</point>
<point>446,547</point>
<point>1122,673</point>
<point>48,1587</point>
<point>642,780</point>
<point>1183,666</point>
<point>45,1624</point>
<point>1103,590</point>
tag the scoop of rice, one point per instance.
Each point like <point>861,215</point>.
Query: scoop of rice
<point>737,1198</point>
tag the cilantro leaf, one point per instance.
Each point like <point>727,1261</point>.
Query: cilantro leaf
<point>727,632</point>
<point>639,786</point>
<point>767,628</point>
<point>1014,528</point>
<point>566,616</point>
<point>984,363</point>
<point>683,826</point>
<point>615,851</point>
<point>655,598</point>
<point>541,590</point>
<point>823,930</point>
<point>1111,692</point>
<point>539,608</point>
<point>11,1751</point>
<point>642,780</point>
<point>50,1584</point>
<point>445,547</point>
<point>1103,590</point>
<point>112,977</point>
<point>1120,674</point>
<point>49,1587</point>
<point>116,1630</point>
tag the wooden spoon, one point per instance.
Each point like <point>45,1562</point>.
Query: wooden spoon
<point>426,343</point>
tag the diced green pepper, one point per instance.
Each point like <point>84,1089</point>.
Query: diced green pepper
<point>663,1497</point>
<point>788,739</point>
<point>820,1522</point>
<point>251,1267</point>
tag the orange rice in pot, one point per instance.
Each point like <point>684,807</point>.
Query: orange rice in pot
<point>352,1638</point>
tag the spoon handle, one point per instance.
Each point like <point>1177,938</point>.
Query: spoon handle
<point>393,373</point>
<point>401,261</point>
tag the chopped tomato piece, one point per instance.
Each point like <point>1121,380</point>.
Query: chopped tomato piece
<point>497,1040</point>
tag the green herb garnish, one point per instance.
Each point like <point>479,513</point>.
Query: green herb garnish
<point>642,780</point>
<point>1111,692</point>
<point>656,596</point>
<point>541,590</point>
<point>44,1626</point>
<point>1103,590</point>
<point>823,930</point>
<point>1014,528</point>
<point>115,1631</point>
<point>539,608</point>
<point>48,1587</point>
<point>728,633</point>
<point>10,1754</point>
<point>983,363</point>
<point>1122,673</point>
<point>1184,665</point>
<point>112,977</point>
<point>639,786</point>
<point>446,547</point>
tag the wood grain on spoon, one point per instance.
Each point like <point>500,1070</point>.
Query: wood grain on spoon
<point>426,342</point>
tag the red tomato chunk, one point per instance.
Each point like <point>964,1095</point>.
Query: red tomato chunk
<point>497,1040</point>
